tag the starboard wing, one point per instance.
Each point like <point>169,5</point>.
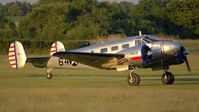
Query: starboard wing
<point>98,60</point>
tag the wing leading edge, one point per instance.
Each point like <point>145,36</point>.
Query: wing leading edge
<point>98,60</point>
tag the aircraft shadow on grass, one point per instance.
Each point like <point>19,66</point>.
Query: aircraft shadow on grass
<point>180,80</point>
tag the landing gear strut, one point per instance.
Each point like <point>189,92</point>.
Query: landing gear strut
<point>49,75</point>
<point>133,79</point>
<point>167,77</point>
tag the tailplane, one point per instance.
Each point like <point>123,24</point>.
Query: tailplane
<point>17,56</point>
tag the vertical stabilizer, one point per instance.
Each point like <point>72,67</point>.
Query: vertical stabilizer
<point>56,47</point>
<point>17,56</point>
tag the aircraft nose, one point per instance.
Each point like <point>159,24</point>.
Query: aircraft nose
<point>174,50</point>
<point>181,54</point>
<point>183,58</point>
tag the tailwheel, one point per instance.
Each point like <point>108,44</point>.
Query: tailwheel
<point>49,75</point>
<point>167,78</point>
<point>133,79</point>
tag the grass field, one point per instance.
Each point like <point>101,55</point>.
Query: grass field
<point>27,90</point>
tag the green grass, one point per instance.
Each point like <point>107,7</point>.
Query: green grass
<point>27,90</point>
<point>191,45</point>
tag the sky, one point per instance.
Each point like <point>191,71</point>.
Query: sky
<point>33,1</point>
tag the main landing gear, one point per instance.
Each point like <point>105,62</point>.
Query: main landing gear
<point>49,75</point>
<point>167,77</point>
<point>133,79</point>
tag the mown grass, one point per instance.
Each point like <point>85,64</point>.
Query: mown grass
<point>191,45</point>
<point>70,90</point>
<point>27,90</point>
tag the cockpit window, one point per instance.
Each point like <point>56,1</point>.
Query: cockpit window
<point>138,42</point>
<point>149,39</point>
<point>146,40</point>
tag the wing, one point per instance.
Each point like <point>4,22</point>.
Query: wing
<point>40,62</point>
<point>98,60</point>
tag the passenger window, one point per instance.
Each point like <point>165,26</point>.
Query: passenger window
<point>114,48</point>
<point>124,46</point>
<point>103,50</point>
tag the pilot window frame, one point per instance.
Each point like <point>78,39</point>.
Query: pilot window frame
<point>103,50</point>
<point>150,39</point>
<point>146,40</point>
<point>114,48</point>
<point>125,46</point>
<point>138,42</point>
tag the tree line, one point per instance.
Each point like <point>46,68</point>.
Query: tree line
<point>88,19</point>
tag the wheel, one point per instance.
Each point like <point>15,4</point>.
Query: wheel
<point>49,75</point>
<point>167,78</point>
<point>133,79</point>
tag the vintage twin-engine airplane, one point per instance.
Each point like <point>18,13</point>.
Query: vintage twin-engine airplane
<point>124,54</point>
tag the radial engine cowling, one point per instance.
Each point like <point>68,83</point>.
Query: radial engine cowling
<point>140,56</point>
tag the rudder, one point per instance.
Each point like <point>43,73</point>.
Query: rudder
<point>56,47</point>
<point>17,56</point>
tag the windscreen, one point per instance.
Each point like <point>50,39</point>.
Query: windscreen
<point>150,39</point>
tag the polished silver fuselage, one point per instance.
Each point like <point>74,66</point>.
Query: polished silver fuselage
<point>95,48</point>
<point>164,52</point>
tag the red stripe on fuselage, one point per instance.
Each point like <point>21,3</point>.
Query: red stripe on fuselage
<point>137,58</point>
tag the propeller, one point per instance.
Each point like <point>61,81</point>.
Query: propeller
<point>185,52</point>
<point>187,63</point>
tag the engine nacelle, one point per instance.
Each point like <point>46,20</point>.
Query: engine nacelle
<point>140,56</point>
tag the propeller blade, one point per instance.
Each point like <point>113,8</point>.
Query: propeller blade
<point>187,63</point>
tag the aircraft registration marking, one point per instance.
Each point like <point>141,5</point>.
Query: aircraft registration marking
<point>66,62</point>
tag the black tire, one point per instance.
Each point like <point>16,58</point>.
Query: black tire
<point>133,80</point>
<point>49,75</point>
<point>168,78</point>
